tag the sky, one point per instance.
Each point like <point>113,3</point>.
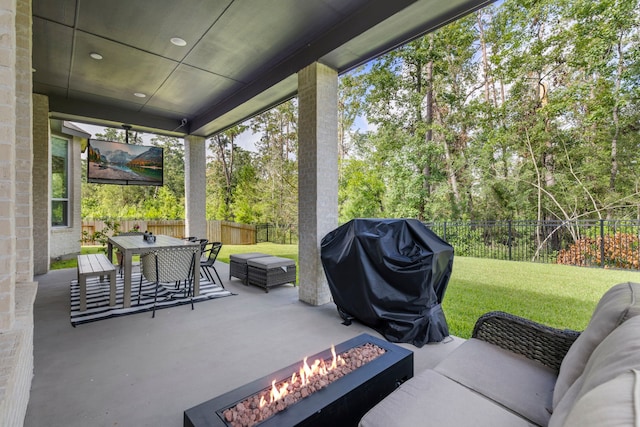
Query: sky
<point>245,140</point>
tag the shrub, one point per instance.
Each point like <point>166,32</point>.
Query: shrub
<point>111,227</point>
<point>621,250</point>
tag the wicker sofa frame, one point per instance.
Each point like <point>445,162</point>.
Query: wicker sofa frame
<point>523,336</point>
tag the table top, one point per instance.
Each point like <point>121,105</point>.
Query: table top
<point>137,243</point>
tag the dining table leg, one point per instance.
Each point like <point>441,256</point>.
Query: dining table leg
<point>196,280</point>
<point>126,296</point>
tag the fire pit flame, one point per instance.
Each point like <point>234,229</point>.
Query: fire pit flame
<point>318,367</point>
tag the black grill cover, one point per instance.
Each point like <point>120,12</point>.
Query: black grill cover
<point>390,274</point>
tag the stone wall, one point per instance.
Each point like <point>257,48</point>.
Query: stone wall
<point>17,291</point>
<point>16,359</point>
<point>65,241</point>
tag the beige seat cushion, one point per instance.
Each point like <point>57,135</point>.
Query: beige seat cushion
<point>268,262</point>
<point>617,354</point>
<point>520,384</point>
<point>616,403</point>
<point>432,399</point>
<point>617,305</point>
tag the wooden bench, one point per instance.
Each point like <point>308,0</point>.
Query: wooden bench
<point>95,265</point>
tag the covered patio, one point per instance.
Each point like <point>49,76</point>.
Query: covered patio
<point>186,69</point>
<point>135,370</point>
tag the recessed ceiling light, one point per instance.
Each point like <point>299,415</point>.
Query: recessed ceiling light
<point>140,95</point>
<point>178,41</point>
<point>95,55</point>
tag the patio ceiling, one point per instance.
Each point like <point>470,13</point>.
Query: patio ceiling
<point>241,56</point>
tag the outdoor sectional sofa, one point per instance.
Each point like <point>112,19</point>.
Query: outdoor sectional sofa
<point>514,372</point>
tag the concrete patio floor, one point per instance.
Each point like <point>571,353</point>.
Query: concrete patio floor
<point>139,371</point>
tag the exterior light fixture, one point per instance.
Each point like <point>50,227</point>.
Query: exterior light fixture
<point>178,41</point>
<point>140,94</point>
<point>96,56</point>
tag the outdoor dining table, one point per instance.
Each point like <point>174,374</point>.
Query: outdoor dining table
<point>130,245</point>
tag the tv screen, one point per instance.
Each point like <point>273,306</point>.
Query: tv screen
<point>124,164</point>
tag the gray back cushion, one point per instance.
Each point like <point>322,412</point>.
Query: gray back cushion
<point>617,305</point>
<point>618,354</point>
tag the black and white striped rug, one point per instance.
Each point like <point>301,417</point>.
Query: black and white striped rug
<point>98,298</point>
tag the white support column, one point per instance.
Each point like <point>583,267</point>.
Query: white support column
<point>8,150</point>
<point>24,145</point>
<point>41,172</point>
<point>317,175</point>
<point>195,182</point>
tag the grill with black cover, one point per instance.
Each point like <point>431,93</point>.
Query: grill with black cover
<point>390,274</point>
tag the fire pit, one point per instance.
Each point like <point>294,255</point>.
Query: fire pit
<point>342,402</point>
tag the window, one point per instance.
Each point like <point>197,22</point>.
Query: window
<point>59,182</point>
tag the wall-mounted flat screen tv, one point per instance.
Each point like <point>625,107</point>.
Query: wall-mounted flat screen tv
<point>124,164</point>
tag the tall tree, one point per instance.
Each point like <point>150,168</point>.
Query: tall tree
<point>277,162</point>
<point>222,145</point>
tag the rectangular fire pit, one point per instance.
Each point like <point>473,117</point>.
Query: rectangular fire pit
<point>342,402</point>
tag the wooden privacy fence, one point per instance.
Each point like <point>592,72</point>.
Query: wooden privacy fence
<point>229,233</point>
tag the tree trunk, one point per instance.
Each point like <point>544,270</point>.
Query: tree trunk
<point>616,119</point>
<point>485,60</point>
<point>428,139</point>
<point>227,173</point>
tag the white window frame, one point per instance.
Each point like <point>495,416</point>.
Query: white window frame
<point>66,223</point>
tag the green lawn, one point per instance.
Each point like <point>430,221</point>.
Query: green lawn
<point>557,295</point>
<point>286,251</point>
<point>73,263</point>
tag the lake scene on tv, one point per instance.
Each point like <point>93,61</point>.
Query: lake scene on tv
<point>125,164</point>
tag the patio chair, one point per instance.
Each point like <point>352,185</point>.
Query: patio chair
<point>212,251</point>
<point>203,248</point>
<point>169,266</point>
<point>203,245</point>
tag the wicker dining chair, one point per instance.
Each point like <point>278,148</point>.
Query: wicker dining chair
<point>213,249</point>
<point>169,265</point>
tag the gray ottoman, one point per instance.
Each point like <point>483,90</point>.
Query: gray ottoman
<point>238,264</point>
<point>271,271</point>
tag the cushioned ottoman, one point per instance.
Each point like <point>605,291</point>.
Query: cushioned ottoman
<point>271,271</point>
<point>238,264</point>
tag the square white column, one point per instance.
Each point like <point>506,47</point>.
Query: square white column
<point>317,175</point>
<point>195,183</point>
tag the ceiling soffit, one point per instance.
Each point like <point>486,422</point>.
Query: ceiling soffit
<point>241,56</point>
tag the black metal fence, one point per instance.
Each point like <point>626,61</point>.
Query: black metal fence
<point>277,233</point>
<point>593,243</point>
